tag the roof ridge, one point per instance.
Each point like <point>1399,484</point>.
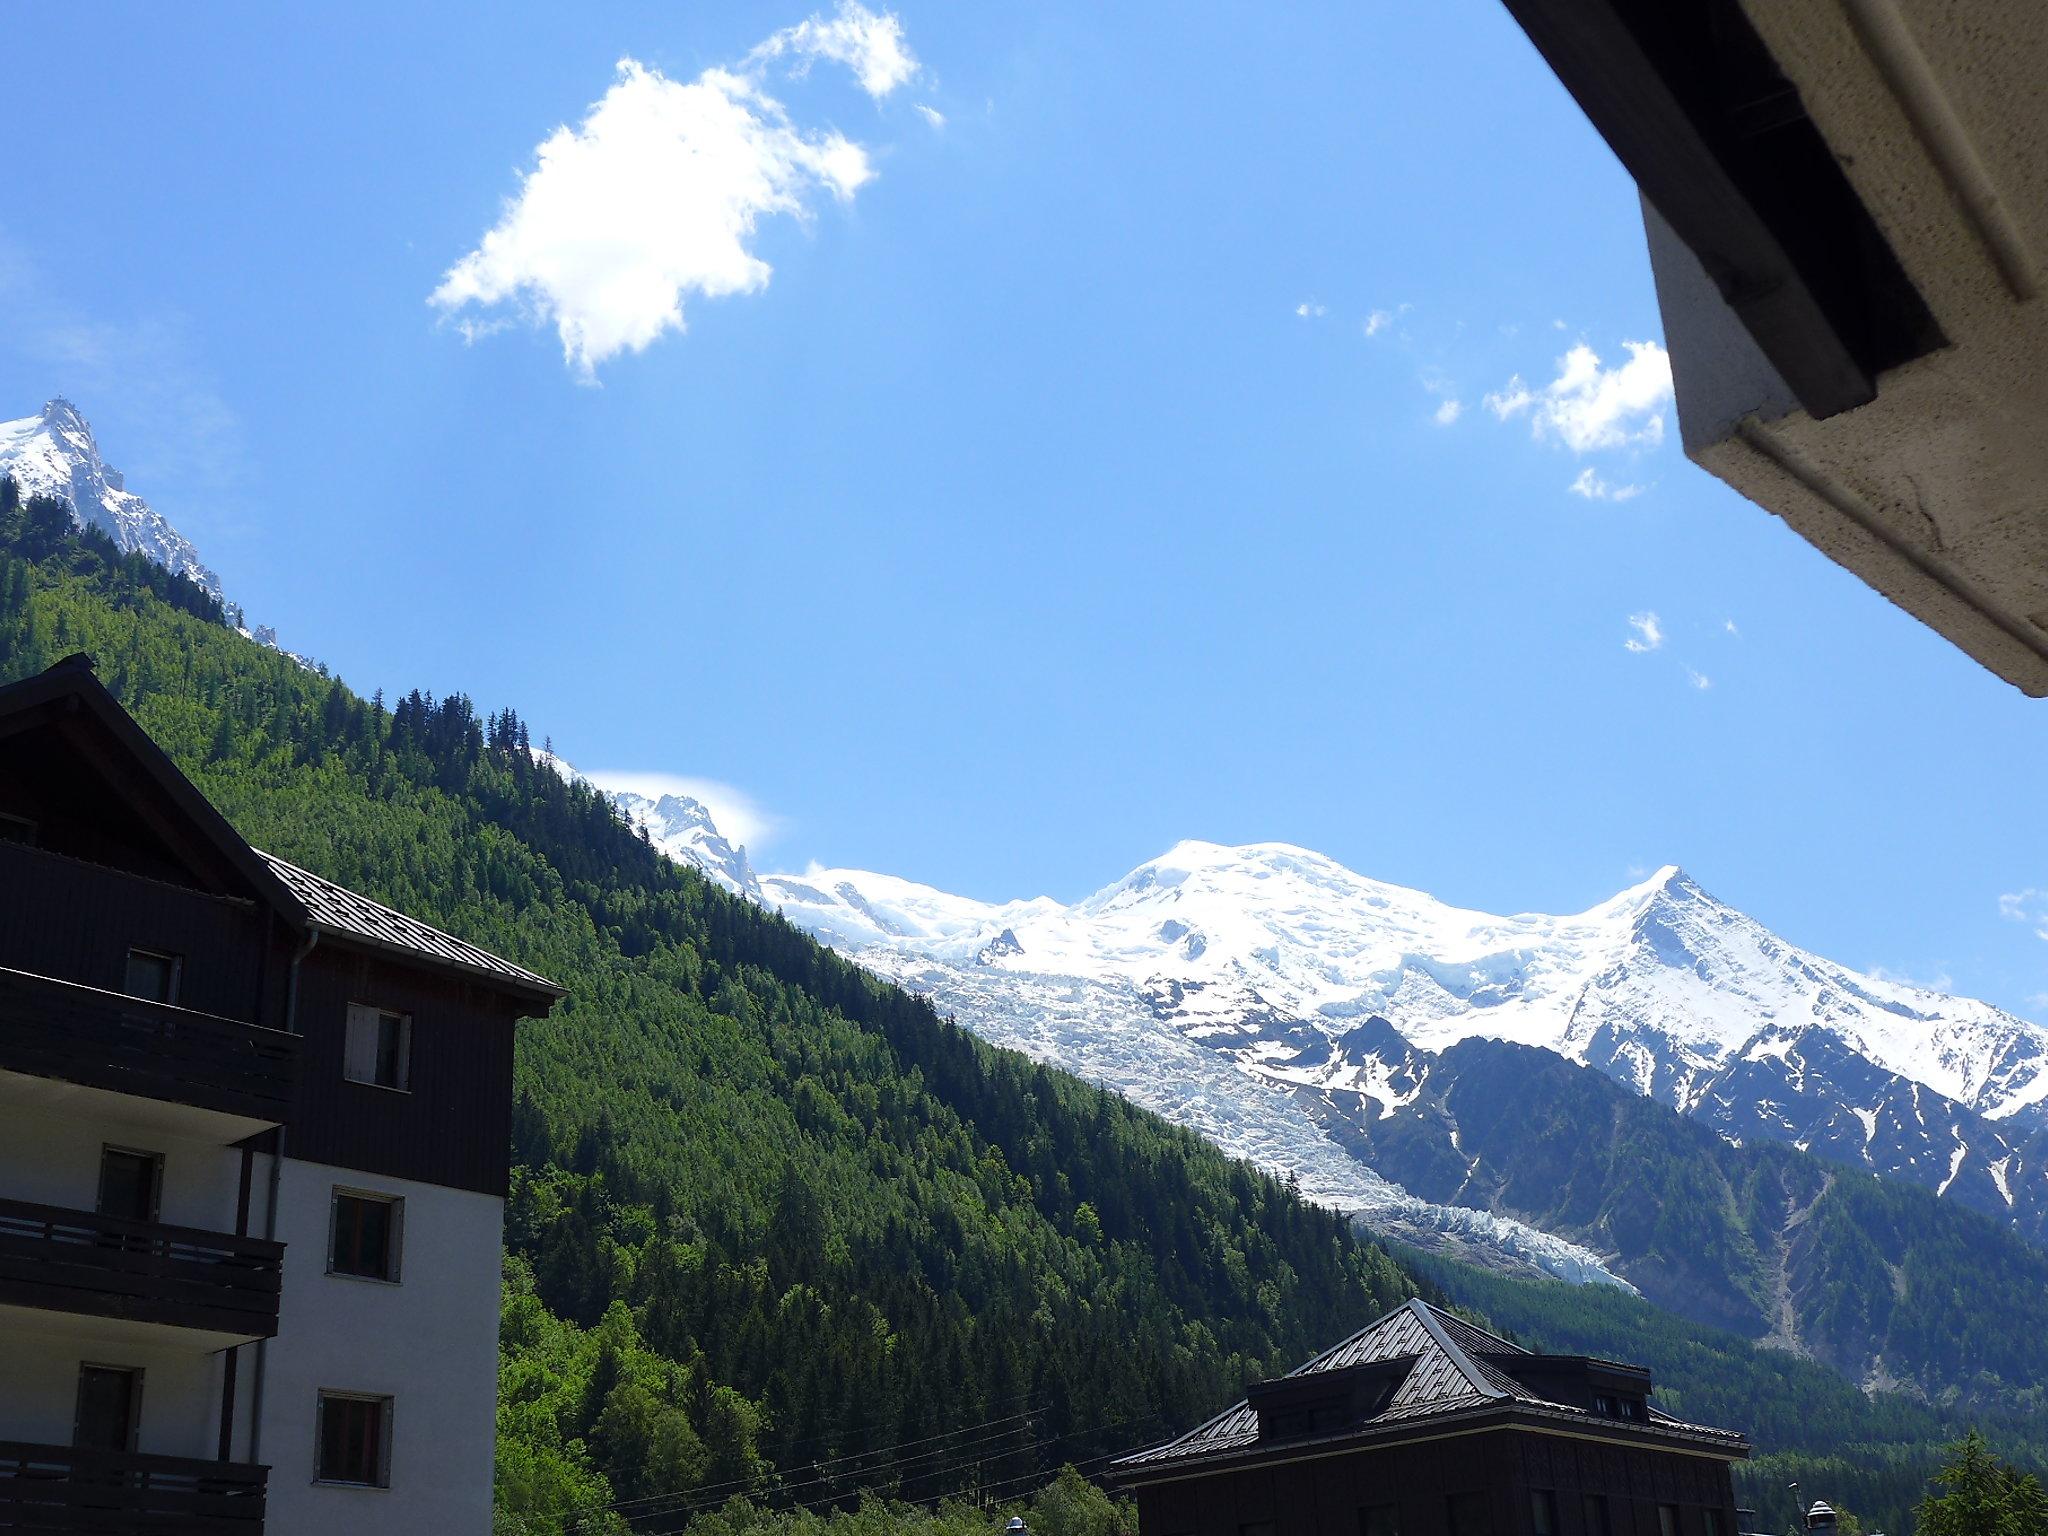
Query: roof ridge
<point>1427,1316</point>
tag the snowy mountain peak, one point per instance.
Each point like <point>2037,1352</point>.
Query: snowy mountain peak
<point>54,454</point>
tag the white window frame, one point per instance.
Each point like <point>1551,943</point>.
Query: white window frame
<point>325,1395</point>
<point>396,1253</point>
<point>372,1015</point>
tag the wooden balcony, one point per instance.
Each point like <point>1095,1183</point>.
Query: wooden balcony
<point>107,1040</point>
<point>139,1272</point>
<point>53,1488</point>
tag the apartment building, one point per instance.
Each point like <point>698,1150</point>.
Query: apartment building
<point>254,1135</point>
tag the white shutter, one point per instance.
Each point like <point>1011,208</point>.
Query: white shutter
<point>359,1060</point>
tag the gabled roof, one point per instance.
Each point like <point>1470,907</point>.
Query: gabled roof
<point>1457,1372</point>
<point>69,696</point>
<point>337,910</point>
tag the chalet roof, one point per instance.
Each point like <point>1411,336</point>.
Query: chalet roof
<point>1456,1371</point>
<point>337,910</point>
<point>69,697</point>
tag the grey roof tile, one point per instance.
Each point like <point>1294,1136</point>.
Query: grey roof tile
<point>338,910</point>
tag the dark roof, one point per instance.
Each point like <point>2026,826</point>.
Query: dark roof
<point>337,910</point>
<point>1456,1373</point>
<point>69,689</point>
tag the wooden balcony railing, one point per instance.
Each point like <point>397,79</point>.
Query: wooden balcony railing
<point>99,1039</point>
<point>144,1271</point>
<point>53,1488</point>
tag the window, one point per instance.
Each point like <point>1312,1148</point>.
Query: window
<point>109,1408</point>
<point>355,1440</point>
<point>1711,1518</point>
<point>1468,1515</point>
<point>1543,1512</point>
<point>131,1183</point>
<point>17,829</point>
<point>152,975</point>
<point>1596,1515</point>
<point>1667,1520</point>
<point>1380,1520</point>
<point>379,1045</point>
<point>363,1235</point>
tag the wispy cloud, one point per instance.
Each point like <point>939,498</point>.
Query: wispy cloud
<point>1939,981</point>
<point>1590,485</point>
<point>1647,636</point>
<point>1448,412</point>
<point>1698,680</point>
<point>656,195</point>
<point>1588,407</point>
<point>2029,906</point>
<point>931,115</point>
<point>1728,628</point>
<point>1308,309</point>
<point>178,440</point>
<point>1380,319</point>
<point>871,45</point>
<point>742,818</point>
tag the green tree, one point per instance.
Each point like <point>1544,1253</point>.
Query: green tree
<point>1983,1496</point>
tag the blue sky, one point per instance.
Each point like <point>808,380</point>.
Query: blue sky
<point>1118,424</point>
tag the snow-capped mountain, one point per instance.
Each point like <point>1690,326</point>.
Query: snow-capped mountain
<point>681,827</point>
<point>1236,990</point>
<point>54,454</point>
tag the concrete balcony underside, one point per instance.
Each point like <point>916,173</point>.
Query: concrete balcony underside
<point>197,1073</point>
<point>52,1488</point>
<point>208,1289</point>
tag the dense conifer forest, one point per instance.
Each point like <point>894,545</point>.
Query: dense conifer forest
<point>778,1234</point>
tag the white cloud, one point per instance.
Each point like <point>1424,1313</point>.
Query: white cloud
<point>1940,981</point>
<point>2029,906</point>
<point>1649,633</point>
<point>1377,321</point>
<point>742,819</point>
<point>1728,627</point>
<point>1308,309</point>
<point>1449,412</point>
<point>1699,680</point>
<point>1588,407</point>
<point>1593,488</point>
<point>871,46</point>
<point>931,115</point>
<point>656,195</point>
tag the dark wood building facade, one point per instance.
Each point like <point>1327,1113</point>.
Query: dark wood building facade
<point>1422,1425</point>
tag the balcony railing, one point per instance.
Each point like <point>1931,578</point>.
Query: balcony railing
<point>144,1271</point>
<point>53,1488</point>
<point>99,1039</point>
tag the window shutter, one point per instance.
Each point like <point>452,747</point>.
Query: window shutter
<point>359,1064</point>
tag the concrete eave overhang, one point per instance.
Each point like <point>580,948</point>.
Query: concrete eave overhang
<point>1847,209</point>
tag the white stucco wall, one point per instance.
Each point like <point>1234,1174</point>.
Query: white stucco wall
<point>39,1363</point>
<point>54,1159</point>
<point>430,1342</point>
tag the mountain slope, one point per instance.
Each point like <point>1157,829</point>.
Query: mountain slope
<point>54,454</point>
<point>769,1212</point>
<point>1268,957</point>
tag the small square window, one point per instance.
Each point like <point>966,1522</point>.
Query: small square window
<point>363,1239</point>
<point>152,975</point>
<point>1543,1512</point>
<point>131,1183</point>
<point>355,1440</point>
<point>1667,1520</point>
<point>379,1047</point>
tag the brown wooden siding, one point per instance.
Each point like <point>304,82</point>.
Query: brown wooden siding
<point>1328,1496</point>
<point>453,1125</point>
